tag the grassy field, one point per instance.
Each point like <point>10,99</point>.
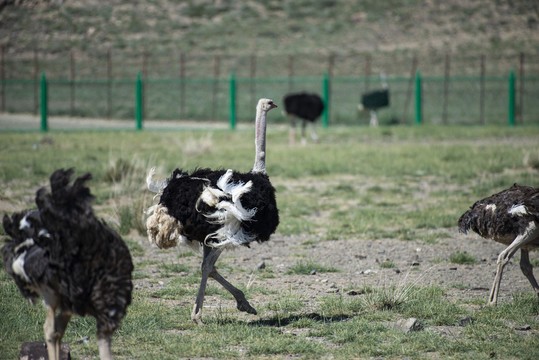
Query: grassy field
<point>404,184</point>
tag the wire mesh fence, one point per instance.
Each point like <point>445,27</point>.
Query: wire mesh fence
<point>453,100</point>
<point>185,87</point>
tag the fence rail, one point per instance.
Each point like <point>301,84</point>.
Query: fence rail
<point>416,99</point>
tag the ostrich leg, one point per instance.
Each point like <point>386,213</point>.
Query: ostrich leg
<point>242,303</point>
<point>527,270</point>
<point>313,133</point>
<point>292,134</point>
<point>209,258</point>
<point>303,137</point>
<point>529,235</point>
<point>50,335</point>
<point>103,342</point>
<point>54,328</point>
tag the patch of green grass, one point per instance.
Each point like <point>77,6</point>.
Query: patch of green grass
<point>174,268</point>
<point>134,246</point>
<point>388,297</point>
<point>186,254</point>
<point>173,292</point>
<point>337,305</point>
<point>126,220</point>
<point>141,264</point>
<point>286,303</point>
<point>462,258</point>
<point>307,267</point>
<point>429,303</point>
<point>387,265</point>
<point>460,286</point>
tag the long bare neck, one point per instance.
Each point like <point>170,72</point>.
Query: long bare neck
<point>260,141</point>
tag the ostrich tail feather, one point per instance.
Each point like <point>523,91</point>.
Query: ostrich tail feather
<point>155,186</point>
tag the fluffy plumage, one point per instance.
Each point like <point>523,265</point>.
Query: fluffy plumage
<point>216,209</point>
<point>63,253</point>
<point>510,217</point>
<point>183,194</point>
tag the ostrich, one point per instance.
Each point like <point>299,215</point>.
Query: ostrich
<point>63,253</point>
<point>306,106</point>
<point>216,210</point>
<point>510,217</point>
<point>375,100</point>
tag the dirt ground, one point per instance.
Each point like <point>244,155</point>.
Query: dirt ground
<point>358,262</point>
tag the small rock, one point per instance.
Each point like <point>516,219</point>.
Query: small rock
<point>452,268</point>
<point>38,350</point>
<point>313,272</point>
<point>408,325</point>
<point>523,328</point>
<point>261,266</point>
<point>397,271</point>
<point>466,321</point>
<point>415,263</point>
<point>369,271</point>
<point>361,257</point>
<point>355,292</point>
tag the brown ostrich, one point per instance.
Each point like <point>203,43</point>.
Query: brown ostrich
<point>78,264</point>
<point>510,217</point>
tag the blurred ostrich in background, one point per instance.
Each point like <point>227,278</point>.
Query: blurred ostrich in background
<point>307,107</point>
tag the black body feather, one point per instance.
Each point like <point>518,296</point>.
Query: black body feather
<point>303,105</point>
<point>181,196</point>
<point>492,217</point>
<point>82,261</point>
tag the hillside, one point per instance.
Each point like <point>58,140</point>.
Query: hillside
<point>271,26</point>
<point>393,27</point>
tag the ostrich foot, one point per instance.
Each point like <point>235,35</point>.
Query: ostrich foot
<point>244,305</point>
<point>196,315</point>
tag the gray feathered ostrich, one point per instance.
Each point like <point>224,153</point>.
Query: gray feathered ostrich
<point>63,253</point>
<point>510,217</point>
<point>216,210</point>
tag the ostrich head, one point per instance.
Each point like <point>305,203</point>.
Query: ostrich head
<point>265,105</point>
<point>262,108</point>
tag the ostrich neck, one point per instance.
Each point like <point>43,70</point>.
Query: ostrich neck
<point>260,142</point>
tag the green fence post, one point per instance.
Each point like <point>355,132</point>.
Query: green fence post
<point>325,92</point>
<point>232,101</point>
<point>511,98</point>
<point>44,103</point>
<point>418,100</point>
<point>138,99</point>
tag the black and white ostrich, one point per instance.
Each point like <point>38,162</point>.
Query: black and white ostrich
<point>64,254</point>
<point>510,217</point>
<point>305,106</point>
<point>216,210</point>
